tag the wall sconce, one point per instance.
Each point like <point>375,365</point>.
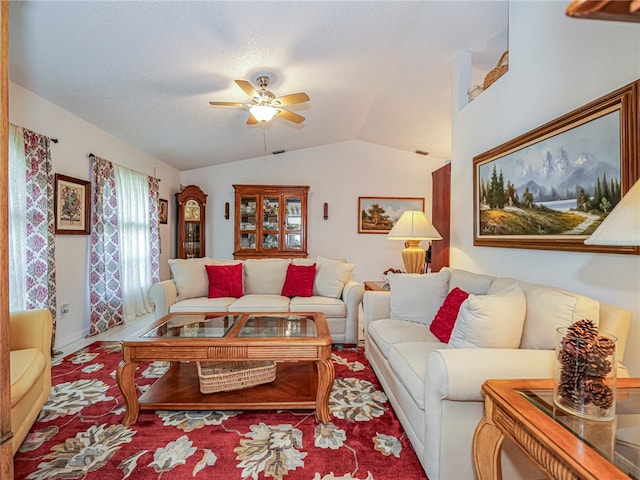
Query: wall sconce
<point>326,211</point>
<point>226,210</point>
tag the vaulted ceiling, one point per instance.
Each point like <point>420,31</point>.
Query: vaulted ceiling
<point>145,71</point>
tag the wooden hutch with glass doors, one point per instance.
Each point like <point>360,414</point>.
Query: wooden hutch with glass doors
<point>270,221</point>
<point>191,202</point>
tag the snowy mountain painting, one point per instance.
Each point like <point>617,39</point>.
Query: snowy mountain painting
<point>565,162</point>
<point>576,171</point>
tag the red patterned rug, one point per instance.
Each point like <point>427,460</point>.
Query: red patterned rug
<point>79,433</point>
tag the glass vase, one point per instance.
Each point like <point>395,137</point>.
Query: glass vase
<point>585,372</point>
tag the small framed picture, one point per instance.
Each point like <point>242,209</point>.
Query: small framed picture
<point>163,211</point>
<point>380,214</point>
<point>72,205</point>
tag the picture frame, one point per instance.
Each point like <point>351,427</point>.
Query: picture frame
<point>163,211</point>
<point>72,205</point>
<point>539,190</point>
<point>380,214</point>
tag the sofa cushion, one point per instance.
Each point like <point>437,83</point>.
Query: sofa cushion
<point>548,309</point>
<point>408,361</point>
<point>260,303</point>
<point>299,280</point>
<point>331,307</point>
<point>202,304</point>
<point>224,280</point>
<point>470,282</point>
<point>416,297</point>
<point>491,321</point>
<point>445,319</point>
<point>27,365</point>
<point>190,277</point>
<point>388,332</point>
<point>265,275</point>
<point>331,276</point>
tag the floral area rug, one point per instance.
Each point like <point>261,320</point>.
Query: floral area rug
<point>79,433</point>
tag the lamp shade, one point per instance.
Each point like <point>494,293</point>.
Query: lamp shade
<point>413,225</point>
<point>263,113</point>
<point>622,225</point>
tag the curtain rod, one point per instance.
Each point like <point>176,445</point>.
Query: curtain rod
<point>92,156</point>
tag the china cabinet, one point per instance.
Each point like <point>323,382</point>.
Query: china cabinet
<point>191,203</point>
<point>270,221</point>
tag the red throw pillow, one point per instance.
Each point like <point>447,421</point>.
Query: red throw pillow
<point>225,280</point>
<point>445,319</point>
<point>299,280</point>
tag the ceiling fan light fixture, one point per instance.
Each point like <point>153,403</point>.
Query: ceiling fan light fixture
<point>263,113</point>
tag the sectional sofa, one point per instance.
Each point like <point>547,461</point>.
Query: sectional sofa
<point>505,328</point>
<point>265,285</point>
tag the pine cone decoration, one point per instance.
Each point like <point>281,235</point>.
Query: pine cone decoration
<point>583,359</point>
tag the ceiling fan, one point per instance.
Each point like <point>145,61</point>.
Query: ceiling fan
<point>264,104</point>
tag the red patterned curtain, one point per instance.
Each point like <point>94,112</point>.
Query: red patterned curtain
<point>40,241</point>
<point>104,286</point>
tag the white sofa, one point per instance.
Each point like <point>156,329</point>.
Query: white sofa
<point>435,389</point>
<point>334,293</point>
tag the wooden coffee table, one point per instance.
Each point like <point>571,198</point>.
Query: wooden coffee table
<point>563,446</point>
<point>300,343</point>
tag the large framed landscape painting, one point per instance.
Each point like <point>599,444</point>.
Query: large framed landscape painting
<point>552,187</point>
<point>380,214</point>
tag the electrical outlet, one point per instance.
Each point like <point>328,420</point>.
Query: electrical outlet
<point>64,308</point>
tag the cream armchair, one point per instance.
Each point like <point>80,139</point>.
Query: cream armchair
<point>30,344</point>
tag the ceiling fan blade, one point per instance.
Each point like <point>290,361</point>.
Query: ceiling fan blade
<point>292,99</point>
<point>251,120</point>
<point>247,88</point>
<point>227,104</point>
<point>293,117</point>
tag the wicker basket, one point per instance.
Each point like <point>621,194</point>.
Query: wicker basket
<point>499,70</point>
<point>226,376</point>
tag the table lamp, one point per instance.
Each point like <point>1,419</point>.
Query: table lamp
<point>622,225</point>
<point>412,227</point>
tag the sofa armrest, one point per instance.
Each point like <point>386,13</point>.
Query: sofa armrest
<point>458,373</point>
<point>375,306</point>
<point>31,329</point>
<point>163,294</point>
<point>352,294</point>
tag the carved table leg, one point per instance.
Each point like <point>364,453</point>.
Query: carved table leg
<point>326,375</point>
<point>487,447</point>
<point>125,377</point>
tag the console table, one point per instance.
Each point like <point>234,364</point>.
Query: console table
<point>563,446</point>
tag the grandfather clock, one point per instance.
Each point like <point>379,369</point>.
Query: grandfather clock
<point>191,203</point>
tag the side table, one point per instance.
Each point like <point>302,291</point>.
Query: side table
<point>375,286</point>
<point>563,450</point>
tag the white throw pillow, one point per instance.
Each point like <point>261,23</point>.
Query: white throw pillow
<point>490,321</point>
<point>190,277</point>
<point>550,308</point>
<point>331,276</point>
<point>417,297</point>
<point>265,275</point>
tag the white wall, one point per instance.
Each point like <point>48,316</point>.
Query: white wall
<point>77,139</point>
<point>337,174</point>
<point>556,65</point>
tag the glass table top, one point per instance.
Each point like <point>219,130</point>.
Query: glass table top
<point>189,325</point>
<point>618,440</point>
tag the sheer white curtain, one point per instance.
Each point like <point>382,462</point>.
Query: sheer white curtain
<point>136,274</point>
<point>18,219</point>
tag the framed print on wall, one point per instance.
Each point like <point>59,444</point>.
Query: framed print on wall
<point>163,210</point>
<point>550,188</point>
<point>379,214</point>
<point>72,203</point>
